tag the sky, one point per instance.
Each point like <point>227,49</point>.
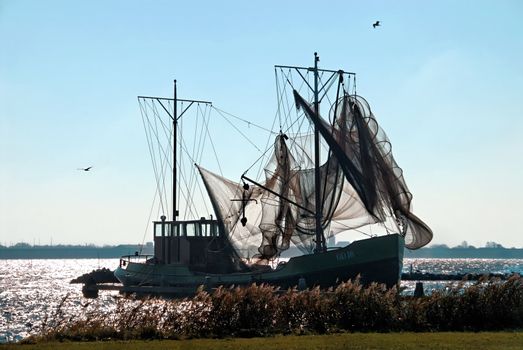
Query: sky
<point>444,79</point>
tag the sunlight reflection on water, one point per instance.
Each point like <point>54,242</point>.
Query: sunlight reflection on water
<point>461,266</point>
<point>31,290</point>
<point>454,267</point>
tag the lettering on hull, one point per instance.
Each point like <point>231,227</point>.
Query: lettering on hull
<point>347,255</point>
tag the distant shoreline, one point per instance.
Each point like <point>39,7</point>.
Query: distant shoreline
<point>73,252</point>
<point>465,253</point>
<point>113,252</point>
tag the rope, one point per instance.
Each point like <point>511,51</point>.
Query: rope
<point>234,126</point>
<point>194,150</point>
<point>151,151</point>
<point>149,219</point>
<point>213,148</point>
<point>161,151</point>
<point>249,123</point>
<point>352,228</point>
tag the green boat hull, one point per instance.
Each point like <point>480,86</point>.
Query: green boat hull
<point>377,259</point>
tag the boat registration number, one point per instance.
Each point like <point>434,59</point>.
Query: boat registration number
<point>345,256</point>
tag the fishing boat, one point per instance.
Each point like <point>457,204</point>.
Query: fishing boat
<point>327,171</point>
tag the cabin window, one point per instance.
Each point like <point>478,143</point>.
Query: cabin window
<point>175,230</point>
<point>209,230</point>
<point>190,229</point>
<point>170,229</point>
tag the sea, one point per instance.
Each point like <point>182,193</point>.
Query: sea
<point>32,291</point>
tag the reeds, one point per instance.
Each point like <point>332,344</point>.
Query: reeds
<point>262,310</point>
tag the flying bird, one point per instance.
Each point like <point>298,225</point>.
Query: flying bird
<point>377,24</point>
<point>85,169</point>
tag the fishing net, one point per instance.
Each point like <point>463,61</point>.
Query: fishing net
<point>365,156</point>
<point>361,184</point>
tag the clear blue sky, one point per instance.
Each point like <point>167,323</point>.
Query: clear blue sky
<point>444,78</point>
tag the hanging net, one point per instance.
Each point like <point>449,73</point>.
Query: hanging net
<point>361,184</point>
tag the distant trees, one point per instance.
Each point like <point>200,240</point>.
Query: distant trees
<point>493,245</point>
<point>465,244</point>
<point>439,246</point>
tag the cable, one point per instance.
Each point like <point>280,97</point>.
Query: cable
<point>243,120</point>
<point>238,130</point>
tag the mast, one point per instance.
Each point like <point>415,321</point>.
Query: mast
<point>175,212</point>
<point>175,122</point>
<point>320,239</point>
<point>174,115</point>
<point>319,88</point>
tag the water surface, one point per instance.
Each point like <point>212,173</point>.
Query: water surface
<point>32,290</point>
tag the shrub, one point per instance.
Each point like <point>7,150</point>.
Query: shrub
<point>365,308</point>
<point>262,310</point>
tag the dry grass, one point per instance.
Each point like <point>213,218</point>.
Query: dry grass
<point>261,310</point>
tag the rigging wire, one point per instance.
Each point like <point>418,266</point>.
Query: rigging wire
<point>269,139</point>
<point>284,111</point>
<point>185,194</point>
<point>300,117</point>
<point>149,218</point>
<point>164,165</point>
<point>277,97</point>
<point>287,107</point>
<point>190,176</point>
<point>353,229</point>
<point>199,154</point>
<point>188,194</point>
<point>150,147</point>
<point>162,154</point>
<point>284,105</point>
<point>180,140</point>
<point>238,130</point>
<point>195,152</point>
<point>183,191</point>
<point>243,120</point>
<point>156,129</point>
<point>212,146</point>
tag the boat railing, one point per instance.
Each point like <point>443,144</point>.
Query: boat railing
<point>135,258</point>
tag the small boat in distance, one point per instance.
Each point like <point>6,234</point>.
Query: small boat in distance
<point>337,176</point>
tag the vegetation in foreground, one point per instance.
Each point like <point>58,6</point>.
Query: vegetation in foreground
<point>261,310</point>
